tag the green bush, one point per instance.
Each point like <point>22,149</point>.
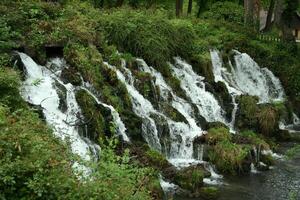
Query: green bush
<point>229,157</point>
<point>227,11</point>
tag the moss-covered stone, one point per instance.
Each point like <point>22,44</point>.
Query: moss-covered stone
<point>70,75</point>
<point>62,94</point>
<point>230,158</point>
<point>268,120</point>
<point>209,193</point>
<point>203,66</point>
<point>191,178</point>
<point>215,135</point>
<point>247,112</point>
<point>221,93</point>
<point>95,120</point>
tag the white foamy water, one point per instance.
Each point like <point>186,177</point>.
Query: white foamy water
<point>141,107</point>
<point>121,129</point>
<point>181,150</point>
<point>194,88</point>
<point>246,77</point>
<point>39,89</point>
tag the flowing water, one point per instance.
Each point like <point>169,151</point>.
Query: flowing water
<point>121,129</point>
<point>280,183</point>
<point>246,77</point>
<point>39,89</point>
<point>194,88</point>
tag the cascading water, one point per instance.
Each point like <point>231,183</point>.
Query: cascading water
<point>246,77</point>
<point>141,107</point>
<point>181,151</point>
<point>39,89</point>
<point>121,129</point>
<point>194,88</point>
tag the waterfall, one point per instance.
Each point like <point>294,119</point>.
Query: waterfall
<point>194,88</point>
<point>141,107</point>
<point>39,89</point>
<point>246,77</point>
<point>121,129</point>
<point>180,150</point>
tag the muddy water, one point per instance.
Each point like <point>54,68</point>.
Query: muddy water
<point>280,183</point>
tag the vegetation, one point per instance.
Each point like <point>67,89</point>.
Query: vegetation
<point>36,165</point>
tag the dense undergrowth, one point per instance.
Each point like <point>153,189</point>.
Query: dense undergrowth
<point>35,165</point>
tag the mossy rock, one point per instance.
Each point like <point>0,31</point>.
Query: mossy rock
<point>62,95</point>
<point>70,75</point>
<point>267,159</point>
<point>203,67</point>
<point>209,193</point>
<point>215,135</point>
<point>221,93</point>
<point>247,113</point>
<point>157,159</point>
<point>216,125</point>
<point>97,119</point>
<point>147,157</point>
<point>268,120</point>
<point>171,112</point>
<point>231,158</point>
<point>191,178</point>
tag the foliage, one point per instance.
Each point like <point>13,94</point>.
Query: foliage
<point>216,135</point>
<point>228,157</point>
<point>291,153</point>
<point>268,120</point>
<point>255,139</point>
<point>227,11</point>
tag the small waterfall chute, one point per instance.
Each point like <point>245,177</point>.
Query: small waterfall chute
<point>194,88</point>
<point>39,89</point>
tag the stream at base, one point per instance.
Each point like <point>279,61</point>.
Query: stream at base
<point>280,183</point>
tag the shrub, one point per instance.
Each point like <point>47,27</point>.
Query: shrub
<point>268,120</point>
<point>229,157</point>
<point>216,135</point>
<point>227,11</point>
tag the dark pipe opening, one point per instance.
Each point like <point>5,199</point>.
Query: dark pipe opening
<point>54,51</point>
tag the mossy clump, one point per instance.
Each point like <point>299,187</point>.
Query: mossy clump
<point>230,157</point>
<point>156,158</point>
<point>191,178</point>
<point>268,120</point>
<point>255,139</point>
<point>209,193</point>
<point>215,135</point>
<point>247,112</point>
<point>96,123</point>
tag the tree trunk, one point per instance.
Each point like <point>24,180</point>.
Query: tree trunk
<point>190,7</point>
<point>177,8</point>
<point>270,16</point>
<point>119,3</point>
<point>249,12</point>
<point>181,6</point>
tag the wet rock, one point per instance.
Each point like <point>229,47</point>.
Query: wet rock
<point>221,93</point>
<point>70,75</point>
<point>191,178</point>
<point>62,94</point>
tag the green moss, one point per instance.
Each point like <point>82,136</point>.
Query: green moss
<point>291,153</point>
<point>255,139</point>
<point>247,114</point>
<point>216,135</point>
<point>229,157</point>
<point>209,193</point>
<point>96,122</point>
<point>190,178</point>
<point>157,158</point>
